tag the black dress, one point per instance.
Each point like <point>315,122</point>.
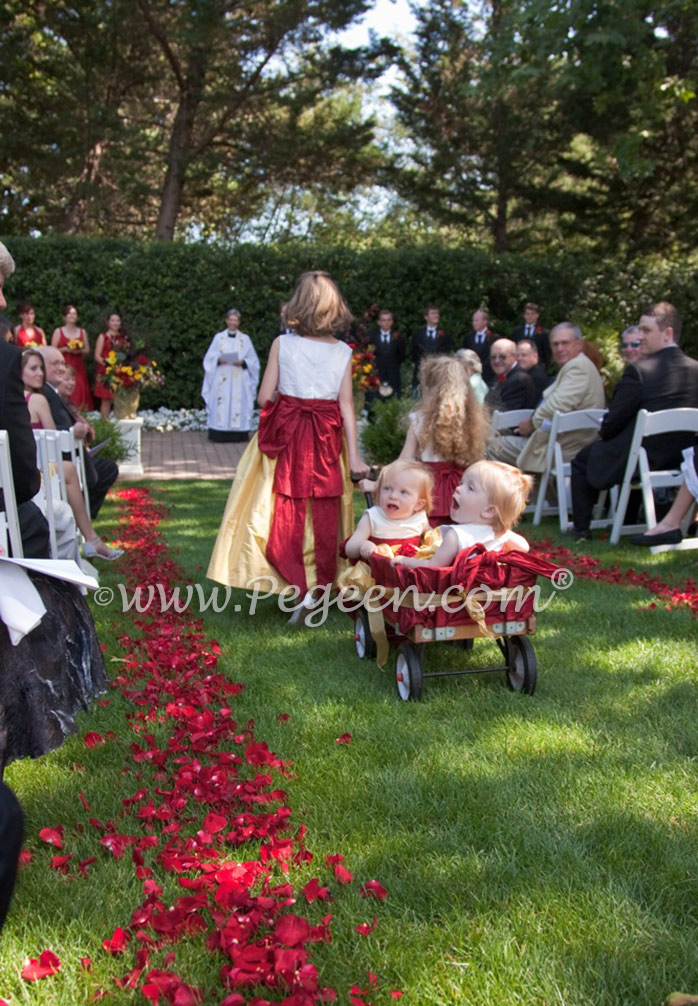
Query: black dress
<point>54,671</point>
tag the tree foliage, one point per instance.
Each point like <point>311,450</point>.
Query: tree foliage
<point>159,117</point>
<point>535,122</point>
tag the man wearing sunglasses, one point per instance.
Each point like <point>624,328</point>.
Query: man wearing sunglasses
<point>632,345</point>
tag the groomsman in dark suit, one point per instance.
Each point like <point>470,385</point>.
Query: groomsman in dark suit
<point>14,418</point>
<point>389,348</point>
<point>429,339</point>
<point>665,379</point>
<point>480,340</point>
<point>532,329</point>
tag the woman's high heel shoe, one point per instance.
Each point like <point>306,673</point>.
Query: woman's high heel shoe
<point>89,550</point>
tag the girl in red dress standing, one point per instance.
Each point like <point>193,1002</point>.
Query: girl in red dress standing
<point>291,501</point>
<point>27,333</point>
<point>112,338</point>
<point>75,347</point>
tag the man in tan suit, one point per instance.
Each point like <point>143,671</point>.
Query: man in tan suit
<point>578,385</point>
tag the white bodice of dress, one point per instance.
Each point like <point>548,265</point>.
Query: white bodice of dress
<point>383,527</point>
<point>427,454</point>
<point>309,368</point>
<point>477,534</point>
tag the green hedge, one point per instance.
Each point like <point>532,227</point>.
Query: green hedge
<point>174,296</point>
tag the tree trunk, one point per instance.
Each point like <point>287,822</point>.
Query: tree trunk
<point>76,213</point>
<point>181,146</point>
<point>177,160</point>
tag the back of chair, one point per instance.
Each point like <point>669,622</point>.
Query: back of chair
<point>8,490</point>
<point>74,447</point>
<point>509,420</point>
<point>583,419</point>
<point>667,421</point>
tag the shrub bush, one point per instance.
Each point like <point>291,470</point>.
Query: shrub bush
<point>174,296</point>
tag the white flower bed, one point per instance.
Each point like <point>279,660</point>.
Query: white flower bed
<point>164,420</point>
<point>167,420</point>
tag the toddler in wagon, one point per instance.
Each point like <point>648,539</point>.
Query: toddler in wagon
<point>404,491</point>
<point>486,505</point>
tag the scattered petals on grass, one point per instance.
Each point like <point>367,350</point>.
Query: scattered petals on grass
<point>344,739</point>
<point>47,964</point>
<point>208,811</point>
<point>364,928</point>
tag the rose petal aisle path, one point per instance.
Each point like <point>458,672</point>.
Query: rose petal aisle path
<point>205,824</point>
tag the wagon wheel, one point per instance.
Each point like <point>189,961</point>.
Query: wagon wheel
<point>522,666</point>
<point>363,640</point>
<point>408,672</point>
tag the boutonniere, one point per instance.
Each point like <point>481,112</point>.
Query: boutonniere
<point>490,335</point>
<point>538,330</point>
<point>439,333</point>
<point>395,334</point>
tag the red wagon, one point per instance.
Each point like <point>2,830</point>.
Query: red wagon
<point>492,595</point>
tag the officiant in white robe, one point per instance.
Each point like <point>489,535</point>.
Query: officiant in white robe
<point>231,375</point>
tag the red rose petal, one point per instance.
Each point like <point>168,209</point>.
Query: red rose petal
<point>363,929</point>
<point>117,942</point>
<point>47,964</point>
<point>344,739</point>
<point>372,889</point>
<point>52,836</point>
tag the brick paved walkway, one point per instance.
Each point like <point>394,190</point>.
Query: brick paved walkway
<point>187,455</point>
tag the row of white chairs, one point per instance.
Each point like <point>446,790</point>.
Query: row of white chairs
<point>51,446</point>
<point>638,474</point>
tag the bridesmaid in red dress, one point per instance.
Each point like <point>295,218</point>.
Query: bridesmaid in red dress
<point>75,347</point>
<point>27,333</point>
<point>112,338</point>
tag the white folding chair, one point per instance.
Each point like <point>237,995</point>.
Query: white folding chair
<point>48,483</point>
<point>649,424</point>
<point>509,420</point>
<point>8,490</point>
<point>76,449</point>
<point>556,467</point>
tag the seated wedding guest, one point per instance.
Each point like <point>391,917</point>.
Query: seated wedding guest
<point>14,418</point>
<point>27,333</point>
<point>665,379</point>
<point>480,341</point>
<point>578,385</point>
<point>511,388</point>
<point>632,345</point>
<point>101,472</point>
<point>389,349</point>
<point>431,338</point>
<point>34,379</point>
<point>533,330</point>
<point>668,530</point>
<point>473,365</point>
<point>11,834</point>
<point>528,359</point>
<point>57,668</point>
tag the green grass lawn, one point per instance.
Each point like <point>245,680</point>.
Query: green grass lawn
<point>536,850</point>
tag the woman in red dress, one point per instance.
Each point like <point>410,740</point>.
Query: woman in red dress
<point>75,347</point>
<point>112,338</point>
<point>27,333</point>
